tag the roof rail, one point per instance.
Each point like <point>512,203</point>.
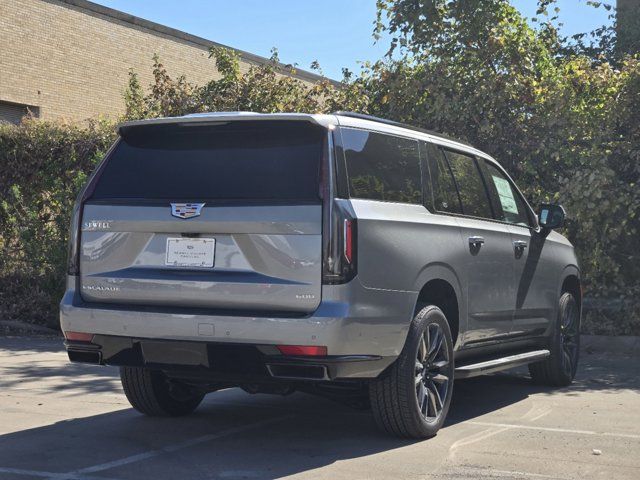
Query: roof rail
<point>373,118</point>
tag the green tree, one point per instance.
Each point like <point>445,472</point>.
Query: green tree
<point>556,112</point>
<point>264,88</point>
<point>561,114</point>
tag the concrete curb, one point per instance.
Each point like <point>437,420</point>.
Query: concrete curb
<point>610,344</point>
<point>16,327</point>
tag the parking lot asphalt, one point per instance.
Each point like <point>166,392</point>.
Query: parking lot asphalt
<point>67,421</point>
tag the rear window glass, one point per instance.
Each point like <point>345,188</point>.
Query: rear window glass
<point>233,161</point>
<point>445,192</point>
<point>382,167</point>
<point>473,194</point>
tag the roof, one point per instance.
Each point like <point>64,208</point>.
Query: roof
<point>159,29</point>
<point>372,118</point>
<point>347,119</point>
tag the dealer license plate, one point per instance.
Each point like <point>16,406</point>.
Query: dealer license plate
<point>190,252</point>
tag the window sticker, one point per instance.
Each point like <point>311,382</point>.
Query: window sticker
<point>543,215</point>
<point>505,194</point>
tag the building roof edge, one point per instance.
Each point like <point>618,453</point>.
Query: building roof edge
<point>181,35</point>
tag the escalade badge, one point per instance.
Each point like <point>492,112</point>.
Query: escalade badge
<point>186,210</point>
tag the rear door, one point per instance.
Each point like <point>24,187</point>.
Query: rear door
<point>487,248</point>
<point>226,215</point>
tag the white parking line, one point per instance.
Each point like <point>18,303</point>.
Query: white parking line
<point>559,430</point>
<point>472,472</point>
<point>178,446</point>
<point>541,414</point>
<point>82,474</point>
<point>471,439</point>
<point>50,475</point>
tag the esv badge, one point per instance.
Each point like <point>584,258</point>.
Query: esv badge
<point>186,210</point>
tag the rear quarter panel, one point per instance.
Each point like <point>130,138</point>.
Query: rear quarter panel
<point>401,247</point>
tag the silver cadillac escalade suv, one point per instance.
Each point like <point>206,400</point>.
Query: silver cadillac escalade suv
<point>342,255</point>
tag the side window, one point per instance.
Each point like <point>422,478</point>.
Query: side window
<point>445,192</point>
<point>473,194</point>
<point>510,206</point>
<point>382,167</point>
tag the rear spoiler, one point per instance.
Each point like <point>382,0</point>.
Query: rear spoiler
<point>225,117</point>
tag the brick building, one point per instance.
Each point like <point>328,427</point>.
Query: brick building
<point>69,59</point>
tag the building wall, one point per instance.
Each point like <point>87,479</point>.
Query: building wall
<point>71,58</point>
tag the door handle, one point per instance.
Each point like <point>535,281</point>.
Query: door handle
<point>476,241</point>
<point>519,244</point>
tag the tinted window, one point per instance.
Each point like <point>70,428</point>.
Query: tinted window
<point>382,167</point>
<point>445,194</point>
<point>473,194</point>
<point>509,205</point>
<point>238,160</point>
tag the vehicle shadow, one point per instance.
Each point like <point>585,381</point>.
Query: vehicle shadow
<point>597,372</point>
<point>232,435</point>
<point>475,397</point>
<point>237,435</point>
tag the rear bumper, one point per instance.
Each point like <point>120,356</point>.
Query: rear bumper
<point>352,322</point>
<point>223,362</point>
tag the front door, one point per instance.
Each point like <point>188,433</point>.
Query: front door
<point>535,280</point>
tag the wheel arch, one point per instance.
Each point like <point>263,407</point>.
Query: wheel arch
<point>438,285</point>
<point>571,283</point>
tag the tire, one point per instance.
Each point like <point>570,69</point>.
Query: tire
<point>411,398</point>
<point>559,369</point>
<point>151,393</point>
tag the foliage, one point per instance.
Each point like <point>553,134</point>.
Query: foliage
<point>265,88</point>
<point>43,166</point>
<point>561,114</point>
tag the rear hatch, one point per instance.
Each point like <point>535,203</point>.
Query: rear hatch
<point>225,215</point>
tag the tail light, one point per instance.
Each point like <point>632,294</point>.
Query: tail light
<point>339,226</point>
<point>73,264</point>
<point>73,259</point>
<point>303,350</point>
<point>340,253</point>
<point>78,336</point>
<point>347,240</point>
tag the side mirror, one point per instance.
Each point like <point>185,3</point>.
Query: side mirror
<point>551,216</point>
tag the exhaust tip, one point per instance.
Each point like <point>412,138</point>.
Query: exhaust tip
<point>84,356</point>
<point>298,372</point>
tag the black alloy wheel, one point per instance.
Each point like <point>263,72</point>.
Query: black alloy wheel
<point>433,372</point>
<point>411,398</point>
<point>560,368</point>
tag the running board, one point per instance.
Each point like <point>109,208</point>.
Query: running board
<point>495,365</point>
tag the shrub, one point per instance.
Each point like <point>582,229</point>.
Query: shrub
<point>43,166</point>
<point>562,117</point>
